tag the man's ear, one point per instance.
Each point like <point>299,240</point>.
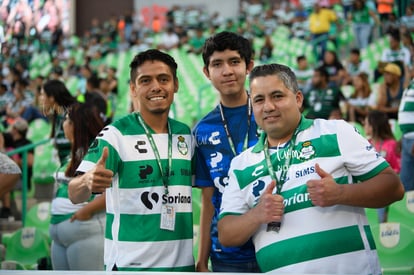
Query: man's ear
<point>206,72</point>
<point>176,85</point>
<point>132,89</point>
<point>249,67</point>
<point>299,99</point>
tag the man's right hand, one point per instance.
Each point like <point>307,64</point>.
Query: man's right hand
<point>99,178</point>
<point>270,207</point>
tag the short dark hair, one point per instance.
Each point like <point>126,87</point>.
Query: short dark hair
<point>93,81</point>
<point>323,72</point>
<point>300,58</point>
<point>284,73</point>
<point>395,34</point>
<point>355,51</point>
<point>227,41</point>
<point>152,55</point>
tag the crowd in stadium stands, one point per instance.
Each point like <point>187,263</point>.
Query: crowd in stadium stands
<point>335,77</point>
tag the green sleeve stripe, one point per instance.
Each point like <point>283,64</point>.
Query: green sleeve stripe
<point>222,215</point>
<point>372,173</point>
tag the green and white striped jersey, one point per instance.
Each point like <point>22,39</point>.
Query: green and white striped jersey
<point>312,239</point>
<point>62,208</point>
<point>133,238</point>
<point>406,110</point>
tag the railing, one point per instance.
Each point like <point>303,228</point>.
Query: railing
<point>24,150</point>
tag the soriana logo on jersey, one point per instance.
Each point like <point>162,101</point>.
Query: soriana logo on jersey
<point>389,234</point>
<point>410,201</point>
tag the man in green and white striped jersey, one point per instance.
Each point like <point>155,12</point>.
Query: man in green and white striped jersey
<point>406,122</point>
<point>143,163</point>
<point>324,173</point>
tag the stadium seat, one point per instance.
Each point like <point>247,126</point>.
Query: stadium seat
<point>38,130</point>
<point>196,218</point>
<point>395,127</point>
<point>359,127</point>
<point>347,90</point>
<point>27,246</point>
<point>196,205</point>
<point>403,211</point>
<point>12,265</point>
<point>39,216</point>
<point>395,247</point>
<point>72,84</point>
<point>372,216</point>
<point>44,167</point>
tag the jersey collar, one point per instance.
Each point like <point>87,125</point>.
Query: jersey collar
<point>304,123</point>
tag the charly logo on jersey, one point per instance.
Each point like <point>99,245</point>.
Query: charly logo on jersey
<point>145,170</point>
<point>93,148</point>
<point>149,199</point>
<point>141,147</point>
<point>182,145</point>
<point>94,144</point>
<point>101,133</point>
<point>221,183</point>
<point>307,151</point>
<point>213,139</point>
<point>258,171</point>
<point>215,159</point>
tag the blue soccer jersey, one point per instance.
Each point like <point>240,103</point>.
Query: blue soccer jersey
<point>213,156</point>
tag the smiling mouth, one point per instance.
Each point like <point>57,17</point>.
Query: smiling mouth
<point>157,98</point>
<point>271,117</point>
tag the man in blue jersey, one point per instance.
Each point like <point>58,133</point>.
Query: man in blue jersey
<point>300,192</point>
<point>222,134</point>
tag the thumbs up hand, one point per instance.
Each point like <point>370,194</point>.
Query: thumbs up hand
<point>270,207</point>
<point>324,191</point>
<point>99,178</point>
